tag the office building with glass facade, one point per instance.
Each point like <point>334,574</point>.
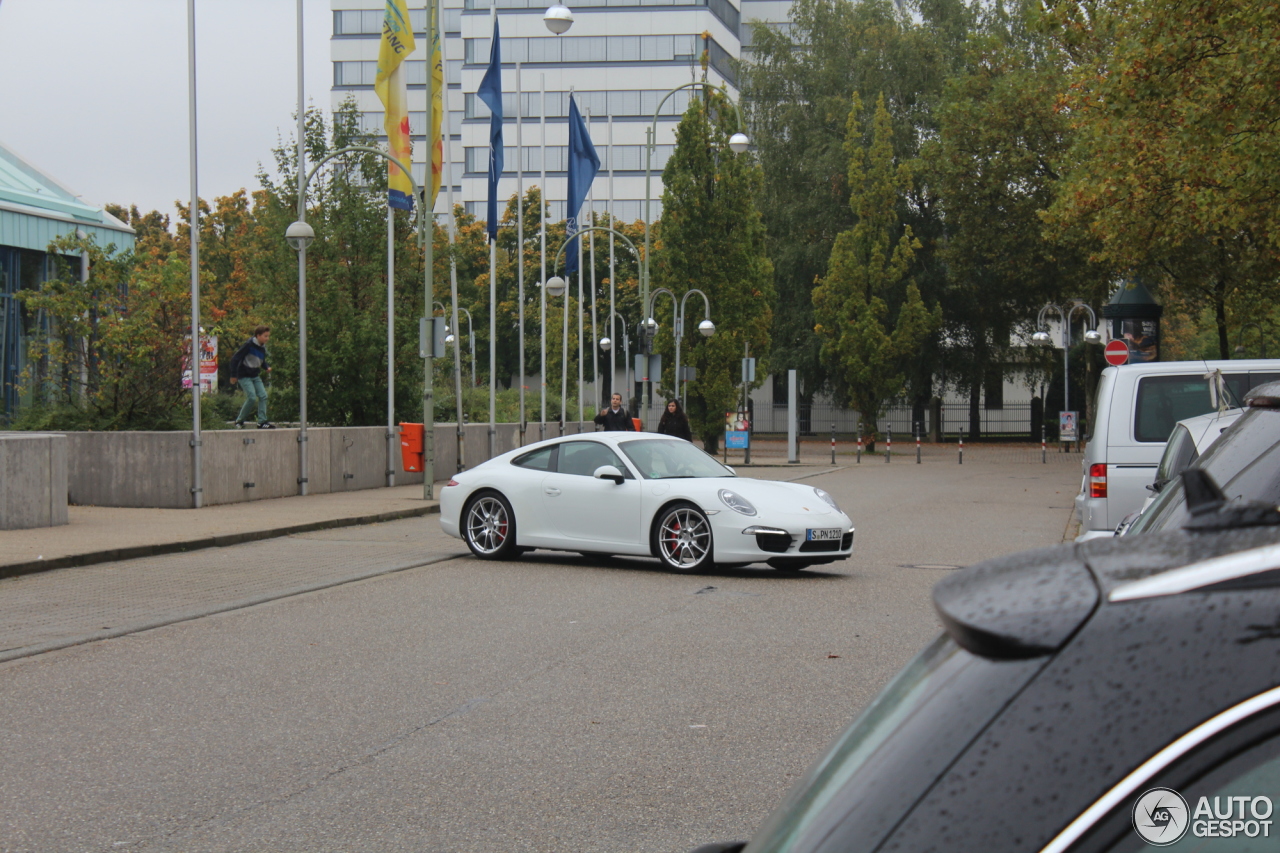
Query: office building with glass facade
<point>620,59</point>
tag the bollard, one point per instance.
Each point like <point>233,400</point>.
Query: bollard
<point>1044,449</point>
<point>888,443</point>
<point>917,429</point>
<point>858,429</point>
<point>833,444</point>
<point>961,447</point>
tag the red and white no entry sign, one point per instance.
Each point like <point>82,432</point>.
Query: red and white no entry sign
<point>1117,352</point>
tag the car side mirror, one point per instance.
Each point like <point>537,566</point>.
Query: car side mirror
<point>609,472</point>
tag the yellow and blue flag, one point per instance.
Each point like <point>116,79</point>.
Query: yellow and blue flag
<point>397,44</point>
<point>437,108</point>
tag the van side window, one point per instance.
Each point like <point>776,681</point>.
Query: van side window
<point>1165,400</point>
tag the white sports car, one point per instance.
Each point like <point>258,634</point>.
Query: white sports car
<point>640,494</point>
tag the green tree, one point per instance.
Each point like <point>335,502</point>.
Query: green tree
<point>995,167</point>
<point>712,238</point>
<point>868,349</point>
<point>114,357</point>
<point>798,85</point>
<point>1177,133</point>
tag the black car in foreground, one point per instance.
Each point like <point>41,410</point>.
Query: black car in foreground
<point>1107,696</point>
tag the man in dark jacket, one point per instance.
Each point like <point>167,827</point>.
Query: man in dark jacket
<point>247,367</point>
<point>615,418</point>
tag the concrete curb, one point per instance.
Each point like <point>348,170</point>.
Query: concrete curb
<point>12,570</point>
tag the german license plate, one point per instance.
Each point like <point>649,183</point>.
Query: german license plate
<point>823,534</point>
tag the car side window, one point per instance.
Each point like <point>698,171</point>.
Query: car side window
<point>542,459</point>
<point>584,457</point>
<point>1224,796</point>
<point>1164,400</point>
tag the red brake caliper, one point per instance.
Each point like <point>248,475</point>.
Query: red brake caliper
<point>675,540</point>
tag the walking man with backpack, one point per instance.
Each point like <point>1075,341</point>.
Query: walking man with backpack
<point>247,366</point>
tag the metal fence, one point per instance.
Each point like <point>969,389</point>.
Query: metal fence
<point>1012,422</point>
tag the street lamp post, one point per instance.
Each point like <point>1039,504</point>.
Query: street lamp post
<point>650,332</point>
<point>299,235</point>
<point>606,344</point>
<point>472,338</point>
<point>1262,341</point>
<point>706,328</point>
<point>738,143</point>
<point>1065,312</point>
<point>556,285</point>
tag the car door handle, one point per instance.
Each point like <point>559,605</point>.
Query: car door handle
<point>551,491</point>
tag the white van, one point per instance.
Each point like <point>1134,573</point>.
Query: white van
<point>1136,407</point>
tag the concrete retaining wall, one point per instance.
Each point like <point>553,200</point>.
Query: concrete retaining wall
<point>33,480</point>
<point>153,469</point>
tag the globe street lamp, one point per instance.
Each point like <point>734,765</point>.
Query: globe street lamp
<point>558,19</point>
<point>706,328</point>
<point>1043,338</point>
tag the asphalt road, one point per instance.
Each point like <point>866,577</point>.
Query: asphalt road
<point>551,704</point>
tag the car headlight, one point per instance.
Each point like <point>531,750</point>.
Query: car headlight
<point>736,502</point>
<point>831,502</point>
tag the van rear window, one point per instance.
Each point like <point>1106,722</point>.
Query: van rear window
<point>1165,400</point>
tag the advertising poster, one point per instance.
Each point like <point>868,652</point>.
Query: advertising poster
<point>1143,339</point>
<point>208,364</point>
<point>1067,426</point>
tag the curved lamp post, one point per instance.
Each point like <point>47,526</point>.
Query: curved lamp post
<point>1065,311</point>
<point>679,314</point>
<point>706,328</point>
<point>606,344</point>
<point>555,286</point>
<point>1262,341</point>
<point>738,143</point>
<point>299,236</point>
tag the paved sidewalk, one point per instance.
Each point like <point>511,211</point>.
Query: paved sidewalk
<point>98,534</point>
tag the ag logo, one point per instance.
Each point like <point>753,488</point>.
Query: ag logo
<point>1160,816</point>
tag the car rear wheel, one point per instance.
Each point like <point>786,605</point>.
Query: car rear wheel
<point>682,538</point>
<point>489,527</point>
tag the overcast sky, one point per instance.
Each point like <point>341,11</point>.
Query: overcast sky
<point>94,92</point>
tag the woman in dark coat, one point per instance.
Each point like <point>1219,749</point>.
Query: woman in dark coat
<point>675,422</point>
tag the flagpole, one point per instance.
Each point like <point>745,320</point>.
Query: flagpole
<point>446,156</point>
<point>520,233</point>
<point>391,344</point>
<point>564,334</point>
<point>494,90</point>
<point>542,231</point>
<point>428,212</point>
<point>613,350</point>
<point>595,357</point>
<point>197,487</point>
<point>302,274</point>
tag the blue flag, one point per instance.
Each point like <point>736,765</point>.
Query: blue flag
<point>583,165</point>
<point>490,92</point>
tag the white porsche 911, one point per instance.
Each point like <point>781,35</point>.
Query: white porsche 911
<point>640,494</point>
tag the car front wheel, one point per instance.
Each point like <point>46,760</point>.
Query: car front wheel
<point>489,527</point>
<point>682,538</point>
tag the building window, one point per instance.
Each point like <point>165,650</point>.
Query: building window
<point>666,48</point>
<point>628,158</point>
<point>599,104</point>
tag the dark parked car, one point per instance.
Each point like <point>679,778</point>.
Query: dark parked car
<point>1104,696</point>
<point>1244,462</point>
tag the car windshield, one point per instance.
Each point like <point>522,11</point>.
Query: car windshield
<point>665,459</point>
<point>873,773</point>
<point>1243,462</point>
